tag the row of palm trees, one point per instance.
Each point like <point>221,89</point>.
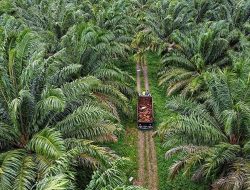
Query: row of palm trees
<point>62,93</point>
<point>205,65</point>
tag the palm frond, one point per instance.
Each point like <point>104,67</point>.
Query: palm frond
<point>222,155</point>
<point>48,143</point>
<point>57,182</point>
<point>89,154</point>
<point>84,116</point>
<point>111,178</point>
<point>26,175</point>
<point>11,163</point>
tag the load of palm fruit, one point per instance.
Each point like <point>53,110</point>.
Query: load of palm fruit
<point>145,112</point>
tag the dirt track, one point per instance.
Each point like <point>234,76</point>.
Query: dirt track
<point>147,172</point>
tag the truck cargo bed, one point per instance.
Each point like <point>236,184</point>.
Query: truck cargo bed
<point>145,112</point>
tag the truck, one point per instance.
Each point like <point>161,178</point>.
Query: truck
<point>145,116</point>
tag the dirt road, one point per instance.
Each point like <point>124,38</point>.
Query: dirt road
<point>147,172</point>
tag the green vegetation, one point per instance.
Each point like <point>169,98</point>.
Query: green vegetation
<point>162,114</point>
<point>158,93</point>
<point>205,72</point>
<point>67,92</point>
<point>62,96</point>
<point>127,147</point>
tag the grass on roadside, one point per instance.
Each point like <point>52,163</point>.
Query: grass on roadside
<point>127,142</point>
<point>160,112</point>
<point>127,147</point>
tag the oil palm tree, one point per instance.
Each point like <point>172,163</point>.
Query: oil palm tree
<point>48,128</point>
<point>236,13</point>
<point>184,67</point>
<point>111,178</point>
<point>6,7</point>
<point>98,53</point>
<point>92,46</point>
<point>164,17</point>
<point>114,17</point>
<point>213,137</point>
<point>87,44</point>
<point>202,11</point>
<point>51,19</point>
<point>46,15</point>
<point>142,43</point>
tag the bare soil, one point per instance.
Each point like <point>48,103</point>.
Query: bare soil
<point>141,161</point>
<point>147,161</point>
<point>153,162</point>
<point>145,74</point>
<point>138,79</point>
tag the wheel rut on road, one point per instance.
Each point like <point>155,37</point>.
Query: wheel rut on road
<point>147,161</point>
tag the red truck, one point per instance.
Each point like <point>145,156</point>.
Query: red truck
<point>145,116</point>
